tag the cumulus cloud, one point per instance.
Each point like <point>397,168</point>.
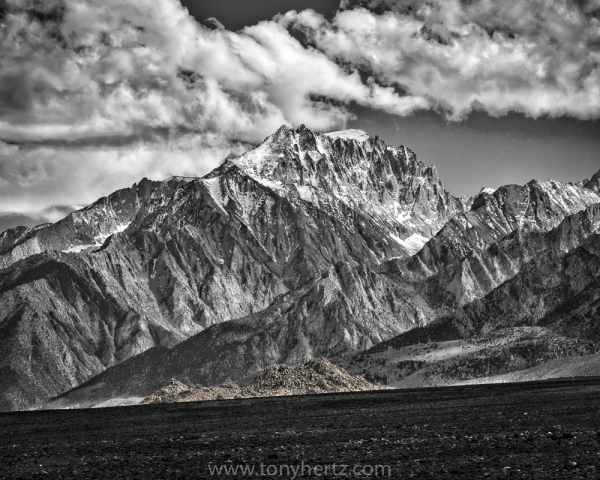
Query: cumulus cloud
<point>538,57</point>
<point>35,179</point>
<point>79,69</point>
<point>215,23</point>
<point>96,95</point>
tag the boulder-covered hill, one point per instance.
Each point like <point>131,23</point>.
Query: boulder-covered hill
<point>157,263</point>
<point>316,376</point>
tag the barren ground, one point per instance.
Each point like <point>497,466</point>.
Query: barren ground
<point>547,429</point>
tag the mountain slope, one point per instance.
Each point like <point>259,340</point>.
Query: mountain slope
<point>237,349</point>
<point>309,245</point>
<point>344,310</point>
<point>534,207</point>
<point>550,309</point>
<point>155,264</point>
<point>85,228</point>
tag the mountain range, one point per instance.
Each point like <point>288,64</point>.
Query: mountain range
<point>311,245</point>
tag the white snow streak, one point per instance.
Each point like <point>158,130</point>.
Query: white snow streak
<point>98,239</point>
<point>353,134</point>
<point>412,244</point>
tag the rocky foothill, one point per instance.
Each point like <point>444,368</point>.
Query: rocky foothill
<point>314,377</point>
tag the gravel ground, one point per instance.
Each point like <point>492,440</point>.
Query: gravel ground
<point>540,430</point>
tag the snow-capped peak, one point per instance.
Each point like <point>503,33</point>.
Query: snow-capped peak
<point>352,134</point>
<point>487,190</point>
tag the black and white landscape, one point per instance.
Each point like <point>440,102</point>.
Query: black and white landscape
<point>225,201</point>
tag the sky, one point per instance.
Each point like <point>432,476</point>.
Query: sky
<point>95,96</point>
<point>236,14</point>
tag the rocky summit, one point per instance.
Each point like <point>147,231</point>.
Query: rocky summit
<point>311,245</point>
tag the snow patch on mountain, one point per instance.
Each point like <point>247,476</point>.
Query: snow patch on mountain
<point>214,188</point>
<point>403,216</point>
<point>305,193</point>
<point>98,240</point>
<point>255,160</point>
<point>412,244</point>
<point>268,183</point>
<point>352,134</point>
<point>78,248</point>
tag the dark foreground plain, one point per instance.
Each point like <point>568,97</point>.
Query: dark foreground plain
<point>547,429</point>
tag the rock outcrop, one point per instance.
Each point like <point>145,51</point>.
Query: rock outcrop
<point>316,376</point>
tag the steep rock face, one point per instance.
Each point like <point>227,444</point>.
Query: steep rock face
<point>547,286</point>
<point>85,228</point>
<point>155,264</point>
<point>385,185</point>
<point>536,206</point>
<point>86,311</point>
<point>11,236</point>
<point>553,272</point>
<point>477,251</point>
<point>459,282</point>
<point>345,309</point>
<point>550,309</point>
<point>482,270</point>
<point>594,183</point>
<point>557,292</point>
